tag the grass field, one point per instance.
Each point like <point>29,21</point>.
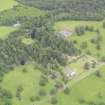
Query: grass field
<point>6,4</point>
<point>4,31</point>
<point>29,80</point>
<point>90,89</point>
<point>87,37</point>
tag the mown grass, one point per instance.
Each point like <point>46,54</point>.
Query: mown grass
<point>7,4</point>
<point>29,80</point>
<point>88,89</point>
<point>4,31</point>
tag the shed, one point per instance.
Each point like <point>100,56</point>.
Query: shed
<point>70,72</point>
<point>65,32</point>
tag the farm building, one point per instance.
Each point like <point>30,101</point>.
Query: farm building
<point>70,72</point>
<point>65,32</point>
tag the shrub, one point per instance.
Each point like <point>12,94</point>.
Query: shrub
<point>42,92</point>
<point>66,90</point>
<point>43,81</point>
<point>33,98</point>
<point>54,101</point>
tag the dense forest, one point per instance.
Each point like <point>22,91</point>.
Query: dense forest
<point>48,49</point>
<point>71,9</point>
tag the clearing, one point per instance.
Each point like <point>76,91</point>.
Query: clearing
<point>87,38</point>
<point>7,4</point>
<point>28,77</point>
<point>5,30</point>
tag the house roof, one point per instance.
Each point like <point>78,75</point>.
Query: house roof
<point>70,72</point>
<point>65,32</point>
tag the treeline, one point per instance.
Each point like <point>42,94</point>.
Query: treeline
<point>48,49</point>
<point>71,9</point>
<point>19,13</point>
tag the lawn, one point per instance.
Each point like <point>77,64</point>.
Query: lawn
<point>4,31</point>
<point>29,80</point>
<point>6,4</point>
<point>85,38</point>
<point>89,90</point>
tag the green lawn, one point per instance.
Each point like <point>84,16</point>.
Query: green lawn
<point>87,37</point>
<point>4,31</point>
<point>29,80</point>
<point>72,24</point>
<point>6,4</point>
<point>88,89</point>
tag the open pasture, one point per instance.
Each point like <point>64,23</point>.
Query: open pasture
<point>7,4</point>
<point>4,31</point>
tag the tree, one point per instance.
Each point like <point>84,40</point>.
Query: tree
<point>87,66</point>
<point>54,100</point>
<point>23,61</point>
<point>8,102</point>
<point>84,45</point>
<point>42,92</point>
<point>43,81</point>
<point>66,90</point>
<point>103,59</point>
<point>59,85</point>
<point>94,64</point>
<point>80,30</point>
<point>98,74</point>
<point>33,99</point>
<point>18,92</point>
<point>33,33</point>
<point>53,92</point>
<point>98,46</point>
<point>103,24</point>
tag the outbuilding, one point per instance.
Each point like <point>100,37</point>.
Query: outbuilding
<point>65,32</point>
<point>70,72</point>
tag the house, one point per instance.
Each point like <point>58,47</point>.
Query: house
<point>65,32</point>
<point>70,72</point>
